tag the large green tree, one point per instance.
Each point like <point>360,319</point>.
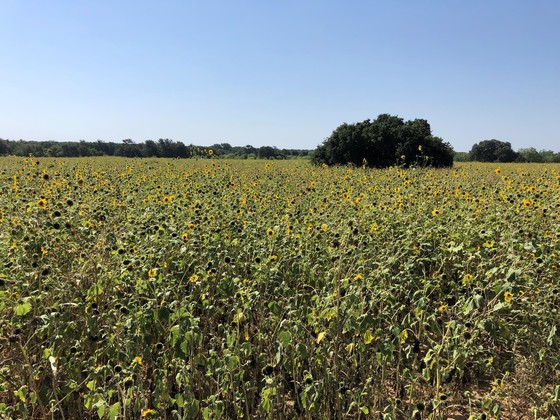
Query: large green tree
<point>492,151</point>
<point>385,141</point>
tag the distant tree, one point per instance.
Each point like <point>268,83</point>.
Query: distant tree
<point>106,148</point>
<point>221,148</point>
<point>461,157</point>
<point>84,149</point>
<point>127,149</point>
<point>531,154</point>
<point>387,140</point>
<point>180,150</point>
<point>549,156</point>
<point>249,149</point>
<point>166,148</point>
<point>151,149</point>
<point>492,151</point>
<point>4,147</point>
<point>269,152</point>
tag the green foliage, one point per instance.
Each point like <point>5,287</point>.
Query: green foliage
<point>532,155</point>
<point>383,142</point>
<point>492,151</point>
<point>127,148</point>
<point>461,157</point>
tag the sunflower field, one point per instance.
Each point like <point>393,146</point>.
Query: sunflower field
<point>207,288</point>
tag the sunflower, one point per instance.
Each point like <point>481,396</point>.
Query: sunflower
<point>358,277</point>
<point>436,212</point>
<point>42,203</point>
<point>146,412</point>
<point>152,272</point>
<point>270,232</point>
<point>507,296</point>
<point>193,278</point>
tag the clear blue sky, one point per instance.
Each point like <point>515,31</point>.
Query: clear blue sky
<point>283,73</point>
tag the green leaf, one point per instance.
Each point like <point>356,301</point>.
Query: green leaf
<point>512,274</point>
<point>491,272</point>
<point>174,331</point>
<point>328,313</point>
<point>498,306</point>
<point>23,309</point>
<point>457,248</point>
<point>91,385</point>
<point>47,353</point>
<point>428,356</point>
<point>478,301</point>
<point>180,401</point>
<point>21,393</point>
<point>284,337</point>
<point>368,337</point>
<point>302,350</point>
<point>100,406</point>
<point>114,411</point>
<point>185,347</point>
<point>193,409</point>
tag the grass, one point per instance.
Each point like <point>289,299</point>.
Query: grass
<point>253,289</point>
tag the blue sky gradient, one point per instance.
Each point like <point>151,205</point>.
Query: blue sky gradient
<point>280,73</point>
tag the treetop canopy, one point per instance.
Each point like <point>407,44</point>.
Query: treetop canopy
<point>388,140</point>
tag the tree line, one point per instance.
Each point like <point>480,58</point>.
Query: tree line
<point>385,141</point>
<point>165,148</point>
<point>501,151</point>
